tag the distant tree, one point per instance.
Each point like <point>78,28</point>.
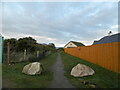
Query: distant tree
<point>12,42</point>
<point>35,51</point>
<point>29,44</point>
<point>60,49</point>
<point>52,45</point>
<point>26,43</point>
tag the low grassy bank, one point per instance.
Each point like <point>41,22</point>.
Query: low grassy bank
<point>103,78</point>
<point>14,78</point>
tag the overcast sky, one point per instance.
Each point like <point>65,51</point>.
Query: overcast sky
<point>59,22</point>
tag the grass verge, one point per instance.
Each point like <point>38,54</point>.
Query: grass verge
<point>14,77</point>
<point>103,78</point>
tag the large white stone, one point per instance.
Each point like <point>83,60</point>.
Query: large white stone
<point>81,70</point>
<point>33,68</point>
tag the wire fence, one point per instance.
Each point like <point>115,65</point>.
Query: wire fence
<point>16,57</point>
<point>25,49</point>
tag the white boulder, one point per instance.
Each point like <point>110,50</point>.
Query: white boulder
<point>33,68</point>
<point>81,70</point>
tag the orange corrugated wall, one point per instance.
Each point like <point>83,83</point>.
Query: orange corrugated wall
<point>104,55</point>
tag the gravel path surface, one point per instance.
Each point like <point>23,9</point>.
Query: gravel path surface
<point>59,81</point>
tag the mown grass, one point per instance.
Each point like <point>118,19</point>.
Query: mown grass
<point>103,78</point>
<point>14,74</point>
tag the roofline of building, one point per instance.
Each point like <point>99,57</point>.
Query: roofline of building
<point>69,42</point>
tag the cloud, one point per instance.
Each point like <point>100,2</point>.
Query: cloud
<point>60,22</point>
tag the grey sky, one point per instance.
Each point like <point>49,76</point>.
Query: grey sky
<point>59,22</point>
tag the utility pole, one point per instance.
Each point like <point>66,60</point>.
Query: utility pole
<point>8,53</point>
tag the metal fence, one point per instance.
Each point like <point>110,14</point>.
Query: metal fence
<point>1,49</point>
<point>104,55</point>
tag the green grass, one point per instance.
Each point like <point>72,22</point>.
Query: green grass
<point>103,78</point>
<point>14,74</point>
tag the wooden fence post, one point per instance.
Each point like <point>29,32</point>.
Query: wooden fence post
<point>8,53</point>
<point>24,54</point>
<point>37,53</point>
